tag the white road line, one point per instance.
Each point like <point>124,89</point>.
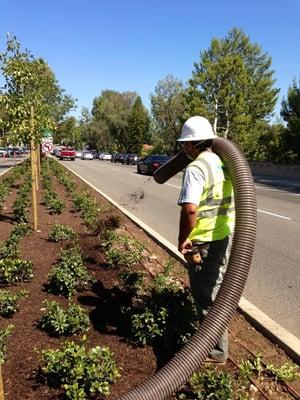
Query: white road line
<point>174,186</point>
<point>274,215</point>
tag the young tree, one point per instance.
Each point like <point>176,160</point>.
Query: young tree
<point>138,127</point>
<point>235,81</point>
<point>29,82</point>
<point>290,112</point>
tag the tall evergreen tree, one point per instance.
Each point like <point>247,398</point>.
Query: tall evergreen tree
<point>138,127</point>
<point>290,112</point>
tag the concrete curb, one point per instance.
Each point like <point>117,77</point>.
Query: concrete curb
<point>273,331</point>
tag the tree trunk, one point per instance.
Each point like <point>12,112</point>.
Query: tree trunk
<point>216,117</point>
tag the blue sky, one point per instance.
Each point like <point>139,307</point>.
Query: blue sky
<point>130,45</point>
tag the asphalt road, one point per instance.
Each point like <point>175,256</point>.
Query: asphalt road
<point>274,280</point>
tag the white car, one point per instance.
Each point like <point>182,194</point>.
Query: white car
<point>87,155</point>
<point>105,156</point>
<point>78,153</point>
<point>3,152</point>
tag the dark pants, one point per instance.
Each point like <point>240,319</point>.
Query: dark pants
<point>205,281</point>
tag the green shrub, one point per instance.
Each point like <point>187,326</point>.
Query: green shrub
<point>255,367</point>
<point>125,252</point>
<point>80,201</point>
<point>148,325</point>
<point>15,270</point>
<point>10,248</point>
<point>69,274</point>
<point>21,229</point>
<point>4,333</point>
<point>82,373</point>
<point>285,373</point>
<point>62,232</point>
<point>212,385</point>
<point>133,281</point>
<point>55,206</point>
<point>58,321</point>
<point>20,209</point>
<point>9,302</point>
<point>107,239</point>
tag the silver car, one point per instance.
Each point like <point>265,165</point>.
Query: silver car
<point>87,155</point>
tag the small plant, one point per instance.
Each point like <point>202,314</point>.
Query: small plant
<point>164,280</point>
<point>286,372</point>
<point>212,385</point>
<point>125,252</point>
<point>250,367</point>
<point>107,239</point>
<point>79,200</point>
<point>62,232</point>
<point>55,206</point>
<point>147,326</point>
<point>69,274</point>
<point>21,229</point>
<point>9,302</point>
<point>82,373</point>
<point>4,333</point>
<point>133,281</point>
<point>15,270</point>
<point>10,248</point>
<point>58,321</point>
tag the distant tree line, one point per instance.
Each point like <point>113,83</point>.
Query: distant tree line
<point>232,84</point>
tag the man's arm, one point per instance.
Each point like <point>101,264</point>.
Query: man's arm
<point>187,222</point>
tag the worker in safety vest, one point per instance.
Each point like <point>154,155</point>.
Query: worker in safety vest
<point>206,220</point>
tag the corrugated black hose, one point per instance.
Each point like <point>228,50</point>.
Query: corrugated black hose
<point>180,368</point>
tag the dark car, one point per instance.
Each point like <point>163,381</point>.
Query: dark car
<point>130,158</point>
<point>94,152</point>
<point>117,157</point>
<point>150,163</point>
<point>14,151</point>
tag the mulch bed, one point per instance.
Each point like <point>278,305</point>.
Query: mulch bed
<point>27,340</point>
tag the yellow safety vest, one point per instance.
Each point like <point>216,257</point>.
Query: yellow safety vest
<point>216,215</point>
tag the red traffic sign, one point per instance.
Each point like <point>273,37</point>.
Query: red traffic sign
<point>47,147</point>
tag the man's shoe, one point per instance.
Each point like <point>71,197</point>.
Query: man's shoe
<point>214,361</point>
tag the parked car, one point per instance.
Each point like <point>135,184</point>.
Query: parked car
<point>78,153</point>
<point>67,153</point>
<point>118,157</point>
<point>14,151</point>
<point>130,158</point>
<point>150,163</point>
<point>94,152</point>
<point>87,155</point>
<point>113,157</point>
<point>3,152</point>
<point>105,156</point>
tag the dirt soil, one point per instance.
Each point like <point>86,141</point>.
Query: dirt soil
<point>101,300</point>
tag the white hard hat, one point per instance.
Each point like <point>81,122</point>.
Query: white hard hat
<point>196,128</point>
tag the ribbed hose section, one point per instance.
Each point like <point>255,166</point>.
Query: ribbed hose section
<point>180,368</point>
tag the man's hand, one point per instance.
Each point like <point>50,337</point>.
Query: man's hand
<point>187,222</point>
<point>185,247</point>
